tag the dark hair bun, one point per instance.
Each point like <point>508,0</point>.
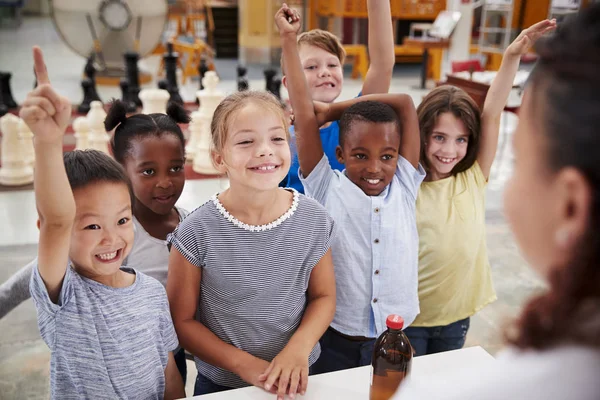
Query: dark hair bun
<point>177,113</point>
<point>116,115</point>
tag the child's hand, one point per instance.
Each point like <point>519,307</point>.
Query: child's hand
<point>321,111</point>
<point>529,36</point>
<point>45,112</point>
<point>290,370</point>
<point>287,21</point>
<point>252,370</point>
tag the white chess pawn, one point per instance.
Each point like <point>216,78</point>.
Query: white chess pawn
<point>209,98</point>
<point>15,171</point>
<point>81,126</point>
<point>154,101</point>
<point>98,138</point>
<point>195,130</point>
<point>26,137</point>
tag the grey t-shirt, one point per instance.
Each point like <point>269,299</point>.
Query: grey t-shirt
<point>106,343</point>
<point>254,281</point>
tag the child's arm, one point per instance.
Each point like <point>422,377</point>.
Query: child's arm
<point>183,288</point>
<point>381,48</point>
<point>16,289</point>
<point>410,142</point>
<point>173,383</point>
<point>308,140</point>
<point>500,89</point>
<point>290,367</point>
<point>47,114</point>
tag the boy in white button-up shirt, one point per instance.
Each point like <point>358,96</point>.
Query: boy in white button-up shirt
<point>375,249</point>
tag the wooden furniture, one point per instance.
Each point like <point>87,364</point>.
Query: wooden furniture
<point>360,59</point>
<point>426,44</point>
<point>477,90</point>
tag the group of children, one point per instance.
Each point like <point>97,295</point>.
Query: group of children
<point>265,285</point>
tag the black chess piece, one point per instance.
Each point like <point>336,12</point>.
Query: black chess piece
<point>242,81</point>
<point>269,76</point>
<point>3,107</point>
<point>276,87</point>
<point>202,70</point>
<point>88,96</point>
<point>89,70</point>
<point>170,60</point>
<point>7,97</point>
<point>129,105</point>
<point>133,77</point>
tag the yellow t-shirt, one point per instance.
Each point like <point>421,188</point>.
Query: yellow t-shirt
<point>455,279</point>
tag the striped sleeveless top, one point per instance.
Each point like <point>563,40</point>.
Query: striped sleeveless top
<point>254,279</point>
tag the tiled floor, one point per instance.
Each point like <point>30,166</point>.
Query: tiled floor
<point>24,358</point>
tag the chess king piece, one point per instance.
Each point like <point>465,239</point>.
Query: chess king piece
<point>15,171</point>
<point>7,97</point>
<point>210,98</point>
<point>88,84</point>
<point>129,105</point>
<point>242,81</point>
<point>154,101</point>
<point>133,77</point>
<point>26,137</point>
<point>81,127</point>
<point>170,60</point>
<point>98,138</point>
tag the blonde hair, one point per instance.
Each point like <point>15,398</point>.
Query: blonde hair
<point>322,39</point>
<point>232,104</point>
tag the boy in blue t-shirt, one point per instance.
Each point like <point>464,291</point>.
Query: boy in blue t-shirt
<point>322,57</point>
<point>108,327</point>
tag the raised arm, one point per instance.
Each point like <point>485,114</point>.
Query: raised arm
<point>308,141</point>
<point>47,114</point>
<point>183,288</point>
<point>410,142</point>
<point>381,48</point>
<point>16,289</point>
<point>497,96</point>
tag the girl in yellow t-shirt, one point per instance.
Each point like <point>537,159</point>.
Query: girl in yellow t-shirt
<point>459,145</point>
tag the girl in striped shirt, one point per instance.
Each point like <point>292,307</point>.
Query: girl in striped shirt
<point>251,282</point>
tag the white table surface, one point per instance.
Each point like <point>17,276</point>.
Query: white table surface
<point>353,384</point>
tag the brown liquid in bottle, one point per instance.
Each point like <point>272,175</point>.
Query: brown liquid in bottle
<point>392,358</point>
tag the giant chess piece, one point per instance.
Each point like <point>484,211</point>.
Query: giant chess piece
<point>202,70</point>
<point>3,107</point>
<point>129,105</point>
<point>170,60</point>
<point>210,98</point>
<point>15,171</point>
<point>26,137</point>
<point>7,97</point>
<point>269,76</point>
<point>98,138</point>
<point>242,80</point>
<point>276,87</point>
<point>154,101</point>
<point>133,76</point>
<point>81,127</point>
<point>88,84</point>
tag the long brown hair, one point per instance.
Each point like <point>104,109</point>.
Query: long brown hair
<point>454,100</point>
<point>565,85</point>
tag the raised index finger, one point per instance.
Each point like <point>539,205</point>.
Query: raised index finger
<point>39,66</point>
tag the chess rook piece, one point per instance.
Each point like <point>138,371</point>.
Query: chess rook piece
<point>200,136</point>
<point>129,105</point>
<point>7,97</point>
<point>98,138</point>
<point>81,127</point>
<point>170,60</point>
<point>269,76</point>
<point>26,137</point>
<point>15,171</point>
<point>154,101</point>
<point>242,81</point>
<point>133,77</point>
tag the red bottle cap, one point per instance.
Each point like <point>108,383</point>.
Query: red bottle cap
<point>395,322</point>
